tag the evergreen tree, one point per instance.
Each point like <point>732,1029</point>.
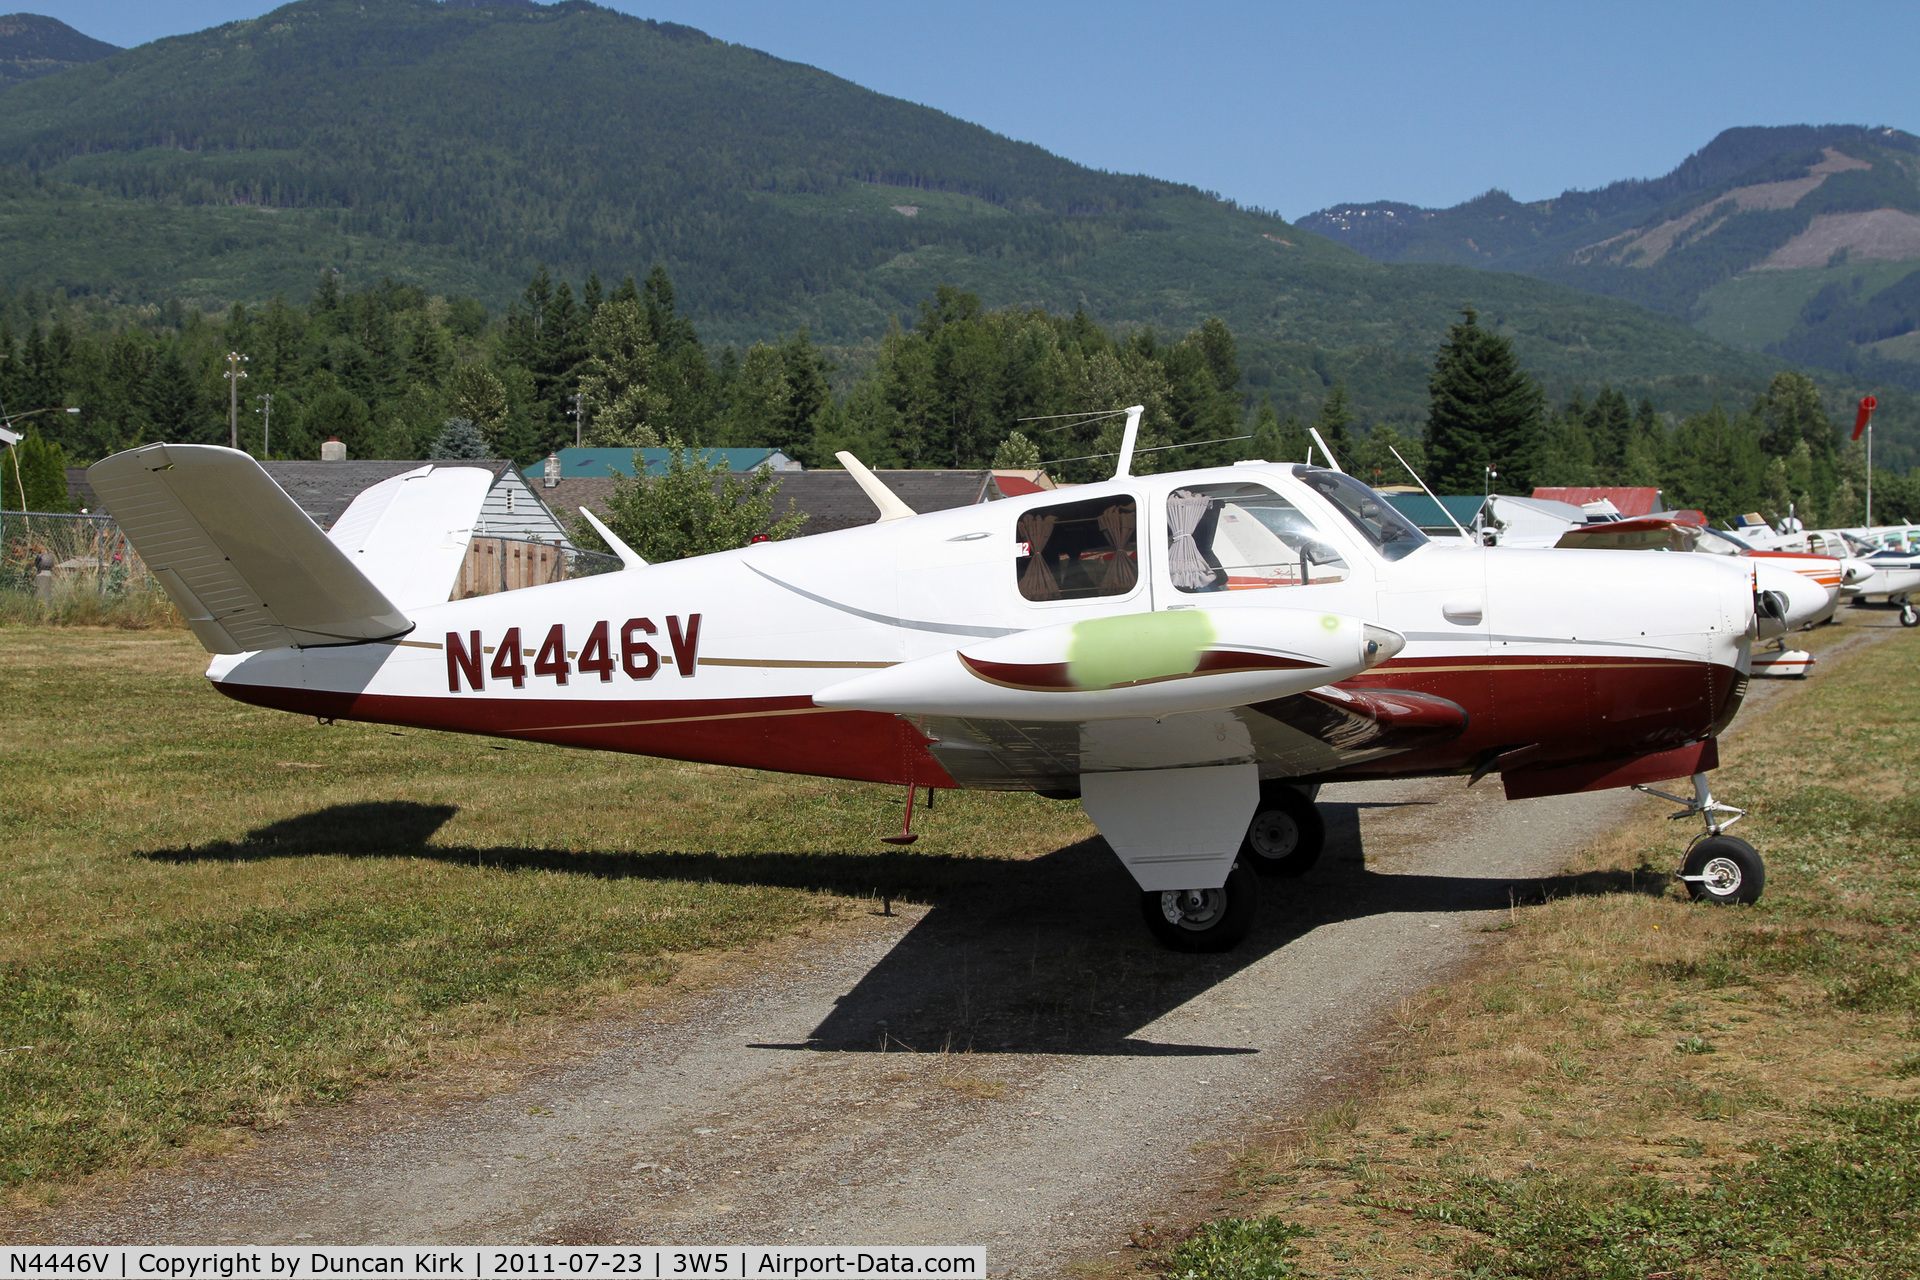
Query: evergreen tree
<point>1484,411</point>
<point>1016,453</point>
<point>1335,422</point>
<point>618,379</point>
<point>480,397</point>
<point>173,404</point>
<point>1266,442</point>
<point>33,476</point>
<point>459,438</point>
<point>1608,423</point>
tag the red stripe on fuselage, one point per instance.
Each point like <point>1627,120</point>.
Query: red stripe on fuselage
<point>1577,708</point>
<point>788,735</point>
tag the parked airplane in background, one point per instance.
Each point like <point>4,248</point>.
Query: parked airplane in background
<point>1185,653</point>
<point>1873,562</point>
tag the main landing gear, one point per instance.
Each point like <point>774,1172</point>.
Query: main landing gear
<point>1287,834</point>
<point>1204,919</point>
<point>1719,868</point>
<point>1284,839</point>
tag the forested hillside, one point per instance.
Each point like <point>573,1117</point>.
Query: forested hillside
<point>458,149</point>
<point>396,372</point>
<point>1800,241</point>
<point>32,46</point>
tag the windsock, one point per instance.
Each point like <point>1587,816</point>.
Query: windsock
<point>1867,405</point>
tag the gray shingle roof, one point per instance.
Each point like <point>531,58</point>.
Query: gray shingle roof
<point>831,499</point>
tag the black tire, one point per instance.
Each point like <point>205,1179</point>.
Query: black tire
<point>1734,869</point>
<point>1286,835</point>
<point>1204,919</point>
<point>1909,615</point>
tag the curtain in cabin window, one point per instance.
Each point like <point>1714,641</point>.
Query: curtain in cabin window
<point>1037,583</point>
<point>1188,568</point>
<point>1116,522</point>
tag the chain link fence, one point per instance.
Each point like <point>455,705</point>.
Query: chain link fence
<point>50,553</point>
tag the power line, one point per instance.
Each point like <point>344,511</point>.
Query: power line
<point>1187,444</point>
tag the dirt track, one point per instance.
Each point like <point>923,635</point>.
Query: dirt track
<point>1018,1067</point>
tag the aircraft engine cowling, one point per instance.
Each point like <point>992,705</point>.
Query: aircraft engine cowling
<point>1128,665</point>
<point>1800,599</point>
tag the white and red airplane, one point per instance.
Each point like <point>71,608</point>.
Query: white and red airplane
<point>1185,653</point>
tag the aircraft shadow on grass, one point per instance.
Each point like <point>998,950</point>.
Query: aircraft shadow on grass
<point>1047,955</point>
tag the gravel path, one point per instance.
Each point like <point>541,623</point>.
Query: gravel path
<point>1017,1067</point>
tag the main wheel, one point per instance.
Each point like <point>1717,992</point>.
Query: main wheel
<point>1204,919</point>
<point>1909,616</point>
<point>1286,835</point>
<point>1730,871</point>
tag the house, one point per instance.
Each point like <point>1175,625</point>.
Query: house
<point>831,499</point>
<point>511,510</point>
<point>581,463</point>
<point>1629,502</point>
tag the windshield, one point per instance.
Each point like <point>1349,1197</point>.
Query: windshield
<point>1391,533</point>
<point>1716,543</point>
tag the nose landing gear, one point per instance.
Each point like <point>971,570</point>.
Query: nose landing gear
<point>1719,868</point>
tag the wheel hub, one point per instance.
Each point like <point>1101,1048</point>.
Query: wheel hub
<point>1193,908</point>
<point>1721,876</point>
<point>1274,834</point>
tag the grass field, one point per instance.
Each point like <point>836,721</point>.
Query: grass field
<point>1636,1086</point>
<point>211,913</point>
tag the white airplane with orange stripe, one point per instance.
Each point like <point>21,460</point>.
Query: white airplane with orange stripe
<point>1187,654</point>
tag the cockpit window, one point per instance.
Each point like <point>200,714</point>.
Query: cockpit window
<point>1078,550</point>
<point>1233,537</point>
<point>1391,533</point>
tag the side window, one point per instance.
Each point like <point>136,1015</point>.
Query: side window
<point>1235,537</point>
<point>1078,550</point>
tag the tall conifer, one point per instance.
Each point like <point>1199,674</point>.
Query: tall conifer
<point>1485,411</point>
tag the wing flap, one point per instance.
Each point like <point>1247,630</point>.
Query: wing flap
<point>236,554</point>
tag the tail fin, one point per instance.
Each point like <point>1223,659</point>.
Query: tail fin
<point>245,565</point>
<point>409,534</point>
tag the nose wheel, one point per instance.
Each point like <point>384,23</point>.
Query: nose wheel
<point>1719,868</point>
<point>1204,919</point>
<point>1723,869</point>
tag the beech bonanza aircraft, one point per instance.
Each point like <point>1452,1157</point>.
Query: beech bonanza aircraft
<point>1187,654</point>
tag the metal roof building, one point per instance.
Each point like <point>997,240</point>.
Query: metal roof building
<point>831,499</point>
<point>583,463</point>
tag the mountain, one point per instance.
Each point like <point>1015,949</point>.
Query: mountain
<point>32,46</point>
<point>1801,241</point>
<point>459,147</point>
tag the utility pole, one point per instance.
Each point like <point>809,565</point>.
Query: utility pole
<point>234,374</point>
<point>266,426</point>
<point>576,419</point>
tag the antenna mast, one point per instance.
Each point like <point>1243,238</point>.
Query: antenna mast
<point>1128,439</point>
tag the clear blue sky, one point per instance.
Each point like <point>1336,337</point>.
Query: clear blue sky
<point>1294,107</point>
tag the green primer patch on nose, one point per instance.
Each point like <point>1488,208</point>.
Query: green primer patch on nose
<point>1137,646</point>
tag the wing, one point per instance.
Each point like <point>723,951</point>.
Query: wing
<point>1304,735</point>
